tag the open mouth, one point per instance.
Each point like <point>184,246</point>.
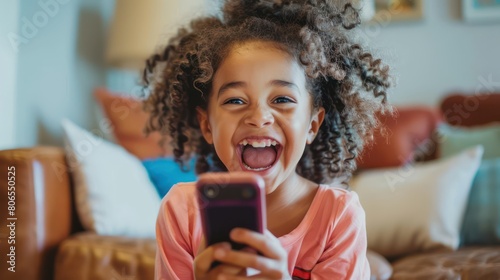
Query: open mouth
<point>259,154</point>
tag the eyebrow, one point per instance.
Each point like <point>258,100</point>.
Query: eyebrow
<point>239,84</point>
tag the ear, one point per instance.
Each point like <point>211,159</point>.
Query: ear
<point>204,124</point>
<point>316,121</point>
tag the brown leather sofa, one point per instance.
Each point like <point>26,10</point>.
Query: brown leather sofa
<point>51,244</point>
<point>47,225</point>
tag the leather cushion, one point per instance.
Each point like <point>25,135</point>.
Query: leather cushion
<point>466,263</point>
<point>91,256</point>
<point>42,209</point>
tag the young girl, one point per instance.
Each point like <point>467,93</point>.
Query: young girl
<point>276,88</point>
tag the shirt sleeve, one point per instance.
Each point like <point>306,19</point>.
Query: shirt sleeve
<point>174,255</point>
<point>345,253</point>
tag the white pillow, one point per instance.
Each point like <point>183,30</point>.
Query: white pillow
<point>417,208</point>
<point>113,193</point>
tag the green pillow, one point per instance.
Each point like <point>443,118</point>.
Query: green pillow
<point>457,139</point>
<point>481,225</point>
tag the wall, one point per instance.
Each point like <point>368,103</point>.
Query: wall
<point>59,65</point>
<point>60,62</point>
<point>439,54</point>
<point>9,11</point>
<point>63,61</point>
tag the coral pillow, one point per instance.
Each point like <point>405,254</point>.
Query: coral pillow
<point>404,133</point>
<point>128,121</point>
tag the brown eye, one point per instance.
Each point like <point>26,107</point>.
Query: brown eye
<point>283,100</point>
<point>235,101</point>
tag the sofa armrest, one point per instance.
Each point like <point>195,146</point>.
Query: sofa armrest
<point>42,217</point>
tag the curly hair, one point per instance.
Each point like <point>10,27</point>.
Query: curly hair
<point>347,81</point>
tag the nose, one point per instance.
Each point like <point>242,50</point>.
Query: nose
<point>259,117</point>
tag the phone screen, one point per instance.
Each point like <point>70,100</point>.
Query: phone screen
<point>224,219</point>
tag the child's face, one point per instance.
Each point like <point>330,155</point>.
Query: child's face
<point>259,114</point>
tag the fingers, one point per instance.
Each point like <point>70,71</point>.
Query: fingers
<point>267,244</point>
<point>269,267</point>
<point>204,260</point>
<point>226,269</point>
<point>272,264</point>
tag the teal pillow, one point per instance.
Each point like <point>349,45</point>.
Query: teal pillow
<point>457,139</point>
<point>481,225</point>
<point>165,172</point>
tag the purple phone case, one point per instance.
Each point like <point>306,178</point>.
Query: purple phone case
<point>230,205</point>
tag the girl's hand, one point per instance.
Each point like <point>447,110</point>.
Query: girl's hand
<point>272,265</point>
<point>204,260</point>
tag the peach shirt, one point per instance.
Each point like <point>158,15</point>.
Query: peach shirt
<point>329,243</point>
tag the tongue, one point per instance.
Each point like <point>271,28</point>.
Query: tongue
<point>258,157</point>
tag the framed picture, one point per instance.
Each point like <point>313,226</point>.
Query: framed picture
<point>398,10</point>
<point>481,10</point>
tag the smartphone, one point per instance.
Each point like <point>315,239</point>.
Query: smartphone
<point>230,200</point>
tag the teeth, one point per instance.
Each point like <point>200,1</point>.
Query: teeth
<point>256,169</point>
<point>259,143</point>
